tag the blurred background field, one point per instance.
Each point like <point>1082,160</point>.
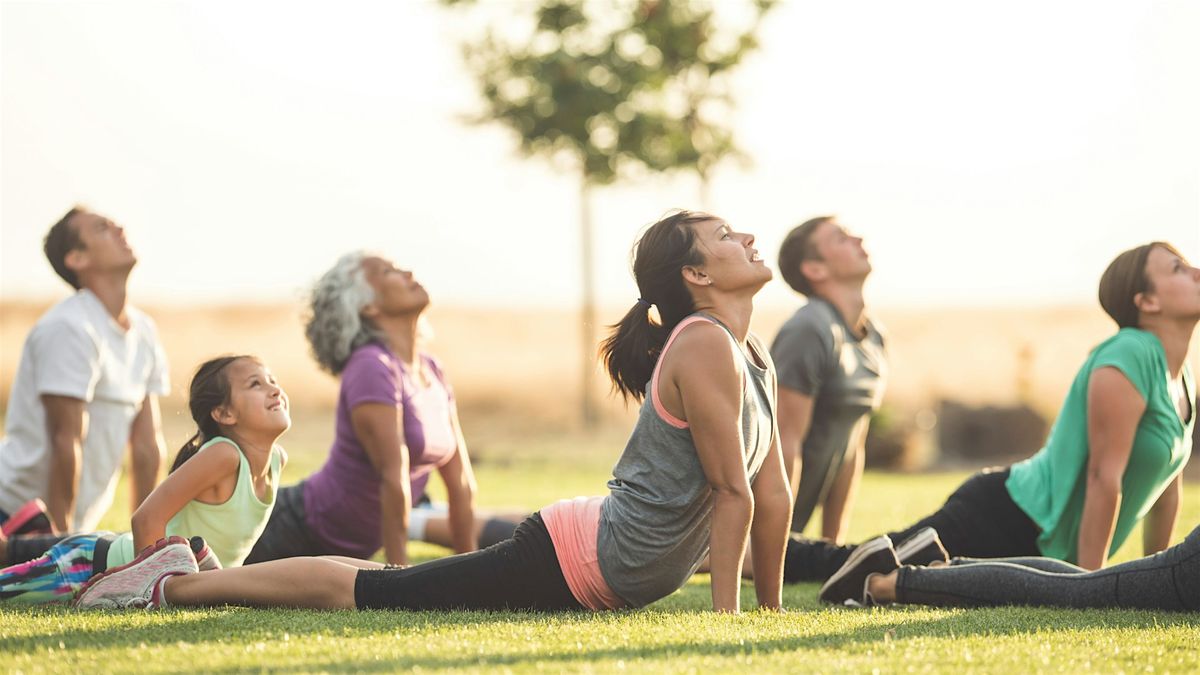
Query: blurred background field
<point>517,370</point>
<point>516,378</point>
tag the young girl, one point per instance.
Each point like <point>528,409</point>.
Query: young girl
<point>702,469</point>
<point>221,487</point>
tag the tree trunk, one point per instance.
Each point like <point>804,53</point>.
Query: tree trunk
<point>588,319</point>
<point>705,191</point>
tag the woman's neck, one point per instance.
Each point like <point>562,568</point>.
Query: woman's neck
<point>401,335</point>
<point>734,313</point>
<point>1176,338</point>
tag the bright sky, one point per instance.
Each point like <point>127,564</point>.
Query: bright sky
<point>996,153</point>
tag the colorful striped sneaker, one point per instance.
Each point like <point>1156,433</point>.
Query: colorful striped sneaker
<point>138,585</point>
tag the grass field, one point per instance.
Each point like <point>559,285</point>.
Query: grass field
<point>676,634</point>
<point>519,412</point>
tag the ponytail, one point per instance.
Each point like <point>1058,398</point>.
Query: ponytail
<point>636,341</point>
<point>188,450</point>
<point>630,352</point>
<point>209,390</point>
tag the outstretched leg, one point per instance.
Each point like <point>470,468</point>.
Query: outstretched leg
<point>1167,581</point>
<point>519,573</point>
<point>316,583</point>
<point>490,527</point>
<point>54,577</point>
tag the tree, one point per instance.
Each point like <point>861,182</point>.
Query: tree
<point>612,88</point>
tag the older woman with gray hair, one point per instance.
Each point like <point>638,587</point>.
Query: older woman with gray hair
<point>396,424</point>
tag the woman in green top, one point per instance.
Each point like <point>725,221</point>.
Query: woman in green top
<point>221,487</point>
<point>1112,459</point>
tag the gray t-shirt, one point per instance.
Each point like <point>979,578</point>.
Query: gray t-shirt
<point>654,525</point>
<point>816,354</point>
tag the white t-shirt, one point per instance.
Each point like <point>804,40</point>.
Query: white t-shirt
<point>78,350</point>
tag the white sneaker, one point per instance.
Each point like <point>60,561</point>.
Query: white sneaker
<point>137,585</point>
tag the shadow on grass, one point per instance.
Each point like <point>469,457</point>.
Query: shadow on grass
<point>808,631</point>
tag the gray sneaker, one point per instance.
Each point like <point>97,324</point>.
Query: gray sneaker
<point>136,585</point>
<point>848,586</point>
<point>922,548</point>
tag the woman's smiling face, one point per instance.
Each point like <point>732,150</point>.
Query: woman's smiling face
<point>730,259</point>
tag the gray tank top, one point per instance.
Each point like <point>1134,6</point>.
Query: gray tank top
<point>654,525</point>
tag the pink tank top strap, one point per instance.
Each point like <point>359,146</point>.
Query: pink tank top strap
<point>658,406</point>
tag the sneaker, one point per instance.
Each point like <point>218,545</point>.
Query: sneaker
<point>922,548</point>
<point>31,518</point>
<point>206,559</point>
<point>848,586</point>
<point>139,584</point>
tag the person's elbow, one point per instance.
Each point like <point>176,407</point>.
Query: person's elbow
<point>65,446</point>
<point>394,481</point>
<point>148,452</point>
<point>145,520</point>
<point>775,502</point>
<point>465,488</point>
<point>1104,479</point>
<point>733,497</point>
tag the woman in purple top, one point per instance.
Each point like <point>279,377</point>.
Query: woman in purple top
<point>396,424</point>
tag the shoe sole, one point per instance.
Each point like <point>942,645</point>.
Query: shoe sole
<point>864,551</point>
<point>18,523</point>
<point>915,543</point>
<point>161,546</point>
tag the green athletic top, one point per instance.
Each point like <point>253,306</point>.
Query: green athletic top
<point>230,528</point>
<point>1050,485</point>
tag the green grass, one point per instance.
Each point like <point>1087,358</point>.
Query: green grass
<point>676,634</point>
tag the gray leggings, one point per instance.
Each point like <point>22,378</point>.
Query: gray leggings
<point>1168,581</point>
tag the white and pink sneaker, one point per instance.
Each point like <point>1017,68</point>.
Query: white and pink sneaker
<point>138,585</point>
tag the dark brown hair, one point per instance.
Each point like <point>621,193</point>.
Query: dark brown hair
<point>1124,279</point>
<point>63,238</point>
<point>209,390</point>
<point>796,248</point>
<point>659,256</point>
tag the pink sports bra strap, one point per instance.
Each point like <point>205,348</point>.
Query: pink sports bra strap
<point>658,406</point>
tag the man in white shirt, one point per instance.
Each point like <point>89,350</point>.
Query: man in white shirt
<point>86,388</point>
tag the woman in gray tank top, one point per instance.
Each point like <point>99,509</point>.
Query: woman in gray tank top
<point>702,471</point>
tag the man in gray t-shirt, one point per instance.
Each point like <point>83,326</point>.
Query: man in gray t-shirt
<point>832,368</point>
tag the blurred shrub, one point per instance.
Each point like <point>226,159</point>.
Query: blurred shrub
<point>893,441</point>
<point>988,434</point>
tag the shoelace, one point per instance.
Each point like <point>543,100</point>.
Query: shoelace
<point>136,603</point>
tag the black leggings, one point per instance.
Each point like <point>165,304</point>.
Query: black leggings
<point>26,547</point>
<point>286,534</point>
<point>1168,581</point>
<point>519,573</point>
<point>979,520</point>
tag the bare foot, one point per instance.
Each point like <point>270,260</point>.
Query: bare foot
<point>882,587</point>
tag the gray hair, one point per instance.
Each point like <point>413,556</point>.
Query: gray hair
<point>335,326</point>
